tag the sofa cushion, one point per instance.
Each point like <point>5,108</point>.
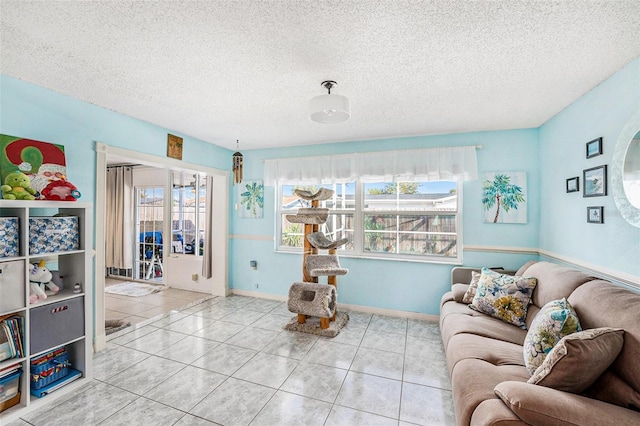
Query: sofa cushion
<point>554,281</point>
<point>603,304</point>
<point>473,381</point>
<point>494,412</point>
<point>505,297</point>
<point>480,324</point>
<point>471,290</point>
<point>471,346</point>
<point>555,320</point>
<point>579,359</point>
<point>612,389</point>
<point>458,291</point>
<point>539,405</point>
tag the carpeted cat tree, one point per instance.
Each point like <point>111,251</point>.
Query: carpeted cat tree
<point>315,303</point>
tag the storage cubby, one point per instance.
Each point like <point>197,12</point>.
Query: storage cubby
<point>63,319</point>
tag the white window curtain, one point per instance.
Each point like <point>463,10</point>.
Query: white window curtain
<point>207,254</point>
<point>118,218</point>
<point>431,164</point>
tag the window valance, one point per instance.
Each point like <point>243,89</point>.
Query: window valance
<point>430,164</point>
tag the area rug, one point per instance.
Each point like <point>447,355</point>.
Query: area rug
<point>111,326</point>
<point>132,289</point>
<point>312,326</point>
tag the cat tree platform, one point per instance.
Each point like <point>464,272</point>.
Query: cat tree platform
<point>321,265</point>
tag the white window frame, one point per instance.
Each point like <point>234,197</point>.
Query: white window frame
<point>358,231</point>
<point>199,209</point>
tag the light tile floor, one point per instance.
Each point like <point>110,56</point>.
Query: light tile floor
<point>139,309</point>
<point>228,361</point>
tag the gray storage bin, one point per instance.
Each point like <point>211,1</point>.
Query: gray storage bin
<point>12,286</point>
<point>56,323</point>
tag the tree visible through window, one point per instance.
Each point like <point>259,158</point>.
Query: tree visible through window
<point>388,219</point>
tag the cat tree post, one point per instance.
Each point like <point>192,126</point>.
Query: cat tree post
<point>313,264</point>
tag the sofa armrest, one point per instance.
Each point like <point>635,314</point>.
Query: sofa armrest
<point>458,291</point>
<point>539,405</point>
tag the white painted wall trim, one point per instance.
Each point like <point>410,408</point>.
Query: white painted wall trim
<point>501,249</point>
<point>99,333</point>
<point>596,270</point>
<point>221,264</point>
<point>251,237</point>
<point>356,308</point>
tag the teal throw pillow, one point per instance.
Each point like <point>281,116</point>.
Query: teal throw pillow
<point>555,320</point>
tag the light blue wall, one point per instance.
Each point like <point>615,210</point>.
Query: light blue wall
<point>549,155</point>
<point>33,112</point>
<point>564,230</point>
<point>398,285</point>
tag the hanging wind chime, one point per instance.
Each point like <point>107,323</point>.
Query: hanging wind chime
<point>237,165</point>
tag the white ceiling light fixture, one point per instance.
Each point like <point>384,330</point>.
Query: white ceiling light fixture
<point>329,108</point>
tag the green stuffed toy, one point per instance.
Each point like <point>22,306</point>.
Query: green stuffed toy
<point>17,187</point>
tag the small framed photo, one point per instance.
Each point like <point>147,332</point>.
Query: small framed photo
<point>594,181</point>
<point>595,214</point>
<point>174,146</point>
<point>573,184</point>
<point>594,148</point>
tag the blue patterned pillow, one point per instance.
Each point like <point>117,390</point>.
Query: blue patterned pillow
<point>555,320</point>
<point>505,297</point>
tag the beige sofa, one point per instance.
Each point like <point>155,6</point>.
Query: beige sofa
<point>485,354</point>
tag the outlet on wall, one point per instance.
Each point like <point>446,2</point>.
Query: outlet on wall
<point>194,277</point>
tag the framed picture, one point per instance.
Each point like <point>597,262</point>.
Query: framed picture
<point>595,214</point>
<point>573,184</point>
<point>594,181</point>
<point>174,147</point>
<point>251,197</point>
<point>594,148</point>
<point>504,197</point>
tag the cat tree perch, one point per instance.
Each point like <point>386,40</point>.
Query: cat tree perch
<point>309,298</point>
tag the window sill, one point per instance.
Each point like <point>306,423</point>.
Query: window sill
<point>380,256</point>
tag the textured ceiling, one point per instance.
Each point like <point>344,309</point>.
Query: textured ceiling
<point>227,70</point>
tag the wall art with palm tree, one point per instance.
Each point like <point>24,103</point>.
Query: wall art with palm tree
<point>504,197</point>
<point>251,196</point>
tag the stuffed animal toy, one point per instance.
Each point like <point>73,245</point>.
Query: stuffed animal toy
<point>60,189</point>
<point>41,278</point>
<point>17,187</point>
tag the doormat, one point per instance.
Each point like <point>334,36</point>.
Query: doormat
<point>132,289</point>
<point>312,326</point>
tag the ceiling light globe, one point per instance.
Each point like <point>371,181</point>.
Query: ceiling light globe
<point>329,109</point>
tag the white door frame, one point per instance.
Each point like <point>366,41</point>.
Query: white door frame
<point>219,285</point>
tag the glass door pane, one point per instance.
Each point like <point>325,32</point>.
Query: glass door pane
<point>149,208</point>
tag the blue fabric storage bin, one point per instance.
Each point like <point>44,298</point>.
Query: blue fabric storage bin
<point>53,234</point>
<point>9,232</point>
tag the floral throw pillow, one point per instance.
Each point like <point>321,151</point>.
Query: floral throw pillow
<point>555,320</point>
<point>505,297</point>
<point>473,285</point>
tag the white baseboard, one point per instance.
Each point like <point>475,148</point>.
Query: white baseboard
<point>100,342</point>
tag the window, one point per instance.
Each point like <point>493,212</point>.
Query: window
<point>188,213</point>
<point>149,217</point>
<point>396,220</point>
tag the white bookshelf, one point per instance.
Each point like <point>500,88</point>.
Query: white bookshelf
<point>76,267</point>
